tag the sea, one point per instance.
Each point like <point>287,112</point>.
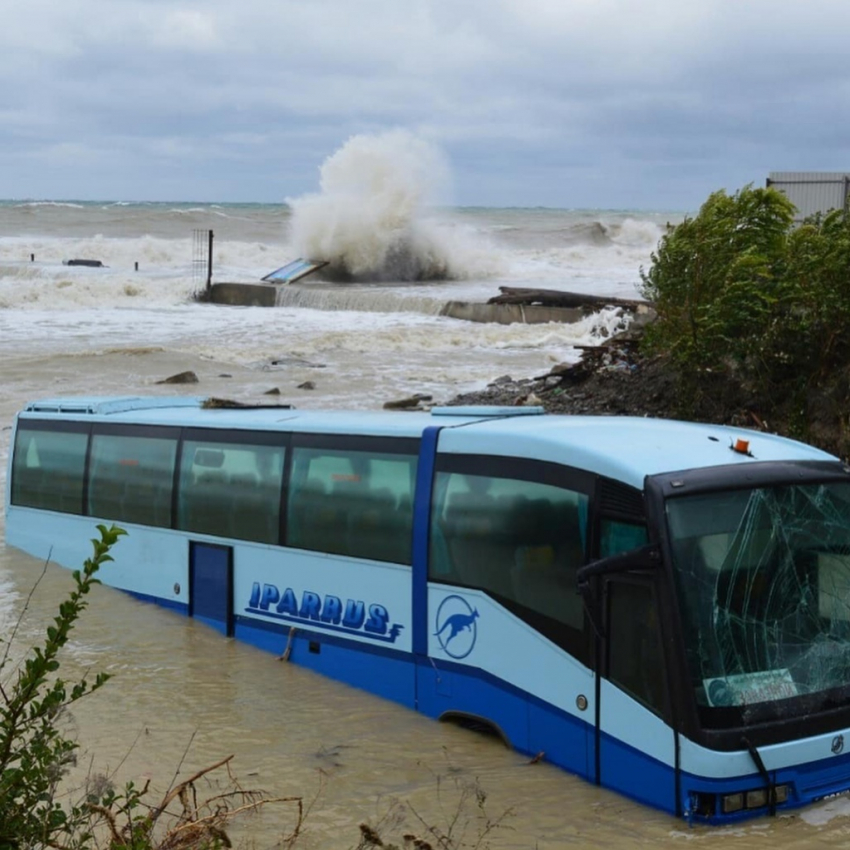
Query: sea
<point>181,696</point>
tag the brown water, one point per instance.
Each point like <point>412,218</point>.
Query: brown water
<point>182,697</point>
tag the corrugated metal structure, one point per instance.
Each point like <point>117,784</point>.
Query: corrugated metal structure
<point>813,191</point>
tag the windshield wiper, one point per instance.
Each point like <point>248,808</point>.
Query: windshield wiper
<point>755,755</point>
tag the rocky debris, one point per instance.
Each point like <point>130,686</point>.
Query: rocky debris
<point>272,391</point>
<point>562,298</point>
<point>213,403</point>
<point>610,379</point>
<point>181,378</point>
<point>530,400</point>
<point>307,385</point>
<point>413,402</point>
<point>617,379</point>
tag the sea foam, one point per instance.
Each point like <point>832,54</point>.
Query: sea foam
<point>375,216</point>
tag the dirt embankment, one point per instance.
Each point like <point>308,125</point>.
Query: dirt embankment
<point>617,379</point>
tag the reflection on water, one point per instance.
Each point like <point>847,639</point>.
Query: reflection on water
<point>182,697</point>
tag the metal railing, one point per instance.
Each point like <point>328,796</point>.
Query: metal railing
<point>202,253</point>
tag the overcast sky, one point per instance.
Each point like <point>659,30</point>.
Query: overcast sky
<point>562,103</point>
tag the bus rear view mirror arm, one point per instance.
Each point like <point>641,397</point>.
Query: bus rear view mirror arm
<point>645,558</point>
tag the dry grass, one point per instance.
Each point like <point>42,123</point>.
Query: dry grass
<point>184,819</point>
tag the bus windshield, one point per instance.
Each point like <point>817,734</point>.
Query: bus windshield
<point>763,578</point>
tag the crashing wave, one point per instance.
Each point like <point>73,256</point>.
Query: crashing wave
<point>374,219</point>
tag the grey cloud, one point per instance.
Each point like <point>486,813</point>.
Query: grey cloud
<point>590,102</point>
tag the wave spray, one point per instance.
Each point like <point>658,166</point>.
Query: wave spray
<point>373,218</point>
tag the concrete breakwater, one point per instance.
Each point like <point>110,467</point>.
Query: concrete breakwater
<point>514,306</point>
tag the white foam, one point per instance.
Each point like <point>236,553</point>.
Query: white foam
<point>640,233</point>
<point>373,217</point>
<point>822,813</point>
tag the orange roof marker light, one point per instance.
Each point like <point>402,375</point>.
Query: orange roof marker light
<point>741,446</point>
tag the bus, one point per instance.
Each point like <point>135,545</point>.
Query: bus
<point>660,607</point>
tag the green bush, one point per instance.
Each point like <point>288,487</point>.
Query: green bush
<point>715,279</point>
<point>33,751</point>
<point>742,293</point>
<point>813,330</point>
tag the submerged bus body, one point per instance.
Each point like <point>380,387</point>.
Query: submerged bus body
<point>656,606</point>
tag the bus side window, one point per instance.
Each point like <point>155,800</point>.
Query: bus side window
<point>352,502</point>
<point>549,553</point>
<point>635,659</point>
<point>472,534</point>
<point>28,474</point>
<point>47,471</point>
<point>254,496</point>
<point>380,526</point>
<point>617,536</point>
<point>231,489</point>
<point>305,505</point>
<point>254,508</point>
<point>131,478</point>
<point>522,541</point>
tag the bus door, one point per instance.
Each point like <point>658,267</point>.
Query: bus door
<point>211,585</point>
<point>635,741</point>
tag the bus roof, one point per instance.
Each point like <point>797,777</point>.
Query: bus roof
<point>628,448</point>
<point>623,448</point>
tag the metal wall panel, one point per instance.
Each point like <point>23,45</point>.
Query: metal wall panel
<point>812,191</point>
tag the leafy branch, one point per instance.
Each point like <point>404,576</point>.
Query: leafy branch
<point>33,751</point>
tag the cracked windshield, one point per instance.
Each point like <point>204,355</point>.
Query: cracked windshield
<point>764,581</point>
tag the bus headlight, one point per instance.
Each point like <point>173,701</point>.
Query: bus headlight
<point>733,803</point>
<point>755,799</point>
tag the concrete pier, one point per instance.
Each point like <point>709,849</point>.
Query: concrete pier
<point>509,314</point>
<point>244,294</point>
<point>265,295</point>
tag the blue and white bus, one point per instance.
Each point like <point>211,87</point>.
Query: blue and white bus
<point>660,607</point>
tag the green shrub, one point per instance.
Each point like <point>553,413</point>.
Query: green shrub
<point>34,754</point>
<point>812,330</point>
<point>743,294</point>
<point>715,279</point>
<point>33,750</point>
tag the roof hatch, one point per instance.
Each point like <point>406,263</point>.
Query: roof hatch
<point>97,405</point>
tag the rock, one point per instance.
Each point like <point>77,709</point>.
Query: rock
<point>409,403</point>
<point>530,400</point>
<point>95,264</point>
<point>188,377</point>
<point>307,385</point>
<point>213,403</point>
<point>272,391</point>
<point>225,375</point>
<point>287,360</point>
